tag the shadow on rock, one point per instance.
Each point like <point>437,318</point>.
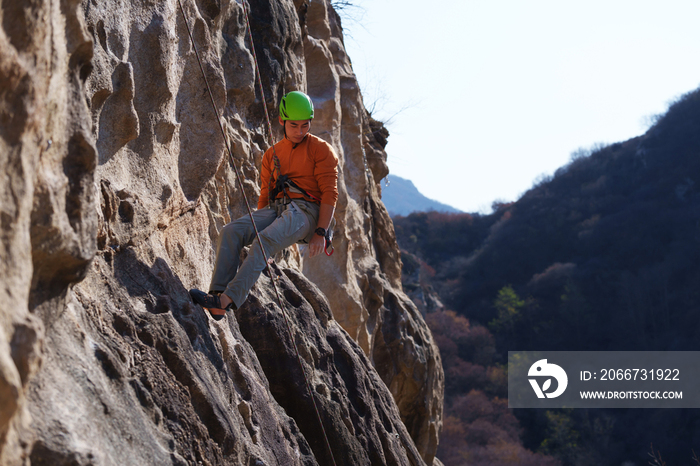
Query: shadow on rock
<point>161,291</point>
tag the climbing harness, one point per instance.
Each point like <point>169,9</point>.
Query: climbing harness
<point>284,184</point>
<point>250,212</point>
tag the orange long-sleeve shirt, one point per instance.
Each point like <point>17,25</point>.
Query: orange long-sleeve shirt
<point>312,164</point>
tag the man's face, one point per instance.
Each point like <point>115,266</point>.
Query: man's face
<point>297,129</point>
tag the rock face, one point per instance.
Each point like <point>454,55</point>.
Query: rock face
<point>47,196</point>
<point>116,185</point>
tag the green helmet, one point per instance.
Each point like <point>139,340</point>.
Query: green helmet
<point>296,106</point>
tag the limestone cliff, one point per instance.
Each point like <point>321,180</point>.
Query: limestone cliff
<point>115,186</point>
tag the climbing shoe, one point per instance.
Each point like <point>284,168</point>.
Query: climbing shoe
<point>211,303</point>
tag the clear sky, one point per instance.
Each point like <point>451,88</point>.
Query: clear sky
<point>484,96</point>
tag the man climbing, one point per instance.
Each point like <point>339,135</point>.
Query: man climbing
<point>298,192</point>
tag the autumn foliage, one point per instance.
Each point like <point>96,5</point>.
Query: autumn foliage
<point>479,429</point>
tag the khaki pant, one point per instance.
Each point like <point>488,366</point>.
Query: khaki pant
<point>279,226</point>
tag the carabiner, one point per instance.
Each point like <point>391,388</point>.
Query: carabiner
<point>327,243</point>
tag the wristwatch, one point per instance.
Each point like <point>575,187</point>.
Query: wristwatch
<point>321,232</point>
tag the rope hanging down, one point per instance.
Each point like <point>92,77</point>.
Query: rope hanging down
<point>239,178</point>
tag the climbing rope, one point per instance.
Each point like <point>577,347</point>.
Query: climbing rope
<point>239,178</point>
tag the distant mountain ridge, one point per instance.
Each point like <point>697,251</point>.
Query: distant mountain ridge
<point>401,197</point>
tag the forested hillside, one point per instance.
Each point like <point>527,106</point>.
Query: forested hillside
<point>602,256</point>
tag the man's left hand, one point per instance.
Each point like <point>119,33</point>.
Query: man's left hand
<point>316,246</point>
